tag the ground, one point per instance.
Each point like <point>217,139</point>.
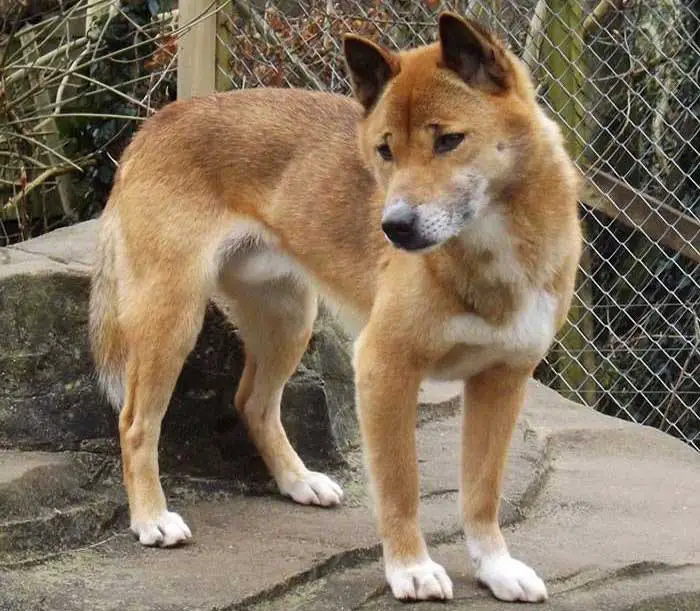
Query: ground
<point>606,511</point>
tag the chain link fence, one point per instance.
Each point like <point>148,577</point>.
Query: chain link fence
<point>621,76</point>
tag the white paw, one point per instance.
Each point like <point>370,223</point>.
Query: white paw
<point>312,488</point>
<point>166,530</point>
<point>509,579</point>
<point>425,580</point>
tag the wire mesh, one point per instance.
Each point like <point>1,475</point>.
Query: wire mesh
<point>622,80</point>
<point>621,77</point>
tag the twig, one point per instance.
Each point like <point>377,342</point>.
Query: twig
<point>27,158</point>
<point>47,148</point>
<point>84,95</point>
<point>38,181</point>
<point>60,20</point>
<point>94,115</point>
<point>93,81</point>
<point>103,30</point>
<point>52,139</point>
<point>78,43</point>
<point>598,15</point>
<point>61,73</point>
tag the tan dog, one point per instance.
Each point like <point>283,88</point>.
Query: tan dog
<point>438,215</point>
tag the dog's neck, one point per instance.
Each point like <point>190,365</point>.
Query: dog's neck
<point>484,275</point>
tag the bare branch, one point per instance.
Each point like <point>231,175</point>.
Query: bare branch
<point>40,180</point>
<point>598,15</point>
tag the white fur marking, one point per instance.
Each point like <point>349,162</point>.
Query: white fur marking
<point>445,218</point>
<point>251,254</point>
<point>508,578</point>
<point>112,385</point>
<point>422,580</point>
<point>350,319</point>
<point>437,223</point>
<point>264,266</point>
<point>530,333</point>
<point>311,488</point>
<point>489,233</point>
<point>166,530</point>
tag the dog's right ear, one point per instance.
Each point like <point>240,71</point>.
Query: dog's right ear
<point>370,66</point>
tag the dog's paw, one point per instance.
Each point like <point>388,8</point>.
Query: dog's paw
<point>511,580</point>
<point>312,488</point>
<point>166,530</point>
<point>424,580</point>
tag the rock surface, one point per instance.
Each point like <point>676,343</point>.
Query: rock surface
<point>606,511</point>
<point>49,400</point>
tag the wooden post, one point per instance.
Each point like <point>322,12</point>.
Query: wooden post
<point>222,61</point>
<point>196,67</point>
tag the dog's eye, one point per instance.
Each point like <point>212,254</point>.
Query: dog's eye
<point>445,143</point>
<point>385,152</point>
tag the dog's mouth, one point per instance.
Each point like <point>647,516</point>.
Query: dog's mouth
<point>410,242</point>
<point>425,227</point>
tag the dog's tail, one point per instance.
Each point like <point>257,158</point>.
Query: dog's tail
<point>106,336</point>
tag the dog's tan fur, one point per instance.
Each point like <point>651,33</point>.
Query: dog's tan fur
<point>265,198</point>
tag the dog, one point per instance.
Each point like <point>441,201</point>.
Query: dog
<point>436,212</point>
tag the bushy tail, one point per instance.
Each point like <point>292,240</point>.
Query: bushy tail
<point>106,337</point>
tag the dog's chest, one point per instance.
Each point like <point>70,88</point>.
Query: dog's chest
<point>476,343</point>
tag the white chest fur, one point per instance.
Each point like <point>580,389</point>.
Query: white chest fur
<point>528,333</point>
<point>477,344</point>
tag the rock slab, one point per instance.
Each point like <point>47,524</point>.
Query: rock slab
<point>605,510</point>
<point>49,399</point>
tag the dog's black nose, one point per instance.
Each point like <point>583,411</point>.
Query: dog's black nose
<point>399,224</point>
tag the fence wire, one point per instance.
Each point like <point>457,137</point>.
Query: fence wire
<point>623,80</point>
<point>621,77</point>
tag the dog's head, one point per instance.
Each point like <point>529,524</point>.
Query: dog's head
<point>445,128</point>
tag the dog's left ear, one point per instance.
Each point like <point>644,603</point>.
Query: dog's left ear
<point>370,67</point>
<point>471,51</point>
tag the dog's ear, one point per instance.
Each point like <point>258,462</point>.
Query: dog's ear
<point>370,67</point>
<point>471,51</point>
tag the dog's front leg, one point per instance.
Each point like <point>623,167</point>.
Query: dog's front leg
<point>387,382</point>
<point>493,400</point>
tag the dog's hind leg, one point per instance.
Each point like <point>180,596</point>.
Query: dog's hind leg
<point>160,322</point>
<point>275,318</point>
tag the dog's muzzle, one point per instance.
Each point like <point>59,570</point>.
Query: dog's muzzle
<point>400,226</point>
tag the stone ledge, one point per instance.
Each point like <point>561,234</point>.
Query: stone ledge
<point>608,521</point>
<point>49,399</point>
